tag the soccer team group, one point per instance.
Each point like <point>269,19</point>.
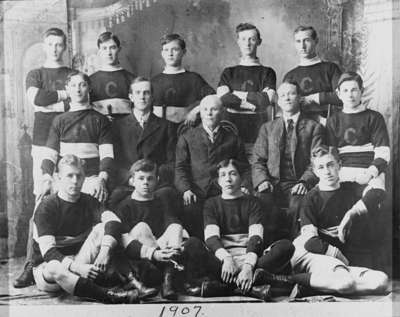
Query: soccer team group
<point>166,185</point>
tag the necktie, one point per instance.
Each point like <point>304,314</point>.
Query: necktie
<point>142,122</point>
<point>289,128</point>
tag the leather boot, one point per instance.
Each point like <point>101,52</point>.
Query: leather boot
<point>215,289</point>
<point>167,289</point>
<point>26,277</point>
<point>193,286</point>
<point>262,292</point>
<point>120,296</point>
<point>262,277</point>
<point>144,292</point>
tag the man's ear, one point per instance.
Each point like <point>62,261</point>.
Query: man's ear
<point>130,181</point>
<point>259,41</point>
<point>316,40</point>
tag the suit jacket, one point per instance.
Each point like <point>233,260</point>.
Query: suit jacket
<point>267,151</point>
<point>156,142</point>
<point>197,158</point>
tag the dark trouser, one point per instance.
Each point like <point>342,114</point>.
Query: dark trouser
<point>201,262</point>
<point>278,224</point>
<point>192,219</point>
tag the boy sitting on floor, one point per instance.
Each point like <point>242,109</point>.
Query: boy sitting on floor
<point>233,233</point>
<point>320,249</point>
<point>69,253</point>
<point>148,228</point>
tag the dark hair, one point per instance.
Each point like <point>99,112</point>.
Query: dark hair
<point>106,36</point>
<point>143,165</point>
<point>225,163</point>
<point>71,160</point>
<point>173,37</point>
<point>139,79</point>
<point>77,73</point>
<point>247,26</point>
<point>323,150</point>
<point>302,28</point>
<point>292,82</point>
<point>350,76</point>
<point>56,32</point>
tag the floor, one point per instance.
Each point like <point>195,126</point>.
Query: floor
<point>9,269</point>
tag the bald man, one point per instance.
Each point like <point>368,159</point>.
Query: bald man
<point>198,152</point>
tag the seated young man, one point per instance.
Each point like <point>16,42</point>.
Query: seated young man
<point>177,92</point>
<point>70,248</point>
<point>362,139</point>
<point>247,90</point>
<point>282,172</point>
<point>198,152</point>
<point>233,234</point>
<point>84,132</point>
<point>320,249</point>
<point>148,228</point>
<point>141,134</point>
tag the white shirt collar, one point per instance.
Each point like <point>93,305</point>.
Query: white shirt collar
<point>78,106</point>
<point>171,70</point>
<point>310,61</point>
<point>250,62</point>
<point>360,108</point>
<point>141,117</point>
<point>52,64</point>
<point>110,68</point>
<point>211,134</point>
<point>294,117</point>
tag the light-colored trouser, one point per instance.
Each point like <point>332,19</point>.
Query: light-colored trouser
<point>86,255</point>
<point>303,261</point>
<point>37,158</point>
<point>349,174</point>
<point>143,233</point>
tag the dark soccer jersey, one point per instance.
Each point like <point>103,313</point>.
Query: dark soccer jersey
<point>81,133</point>
<point>232,216</point>
<point>111,88</point>
<point>356,135</point>
<point>248,78</point>
<point>48,81</point>
<point>319,78</point>
<point>253,80</point>
<point>153,212</point>
<point>325,209</point>
<point>179,90</point>
<point>59,218</point>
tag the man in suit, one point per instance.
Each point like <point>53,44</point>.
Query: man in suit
<point>142,135</point>
<point>282,172</point>
<point>198,152</point>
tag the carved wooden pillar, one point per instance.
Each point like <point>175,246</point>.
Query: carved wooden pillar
<point>380,71</point>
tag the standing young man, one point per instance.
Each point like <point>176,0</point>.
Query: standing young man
<point>320,250</point>
<point>46,93</point>
<point>110,84</point>
<point>177,92</point>
<point>248,89</point>
<point>71,249</point>
<point>317,79</point>
<point>282,172</point>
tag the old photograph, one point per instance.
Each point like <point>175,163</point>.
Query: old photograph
<point>199,158</point>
